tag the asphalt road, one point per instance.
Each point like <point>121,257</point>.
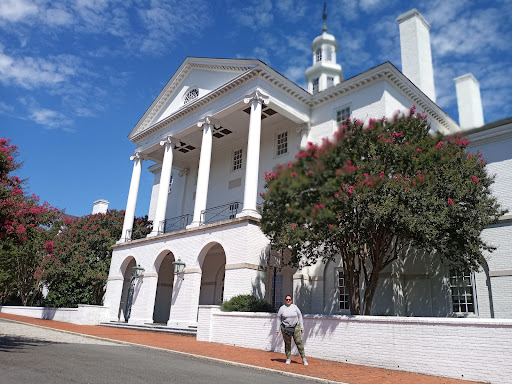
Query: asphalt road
<point>33,355</point>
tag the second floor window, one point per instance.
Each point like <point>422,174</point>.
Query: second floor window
<point>282,143</point>
<point>237,160</point>
<point>342,114</point>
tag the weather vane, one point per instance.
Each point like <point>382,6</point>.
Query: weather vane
<point>324,16</point>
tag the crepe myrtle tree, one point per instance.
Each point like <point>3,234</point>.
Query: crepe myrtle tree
<point>375,190</point>
<point>26,229</point>
<point>80,257</point>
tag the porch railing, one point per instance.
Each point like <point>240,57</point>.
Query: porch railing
<point>174,223</point>
<point>221,212</point>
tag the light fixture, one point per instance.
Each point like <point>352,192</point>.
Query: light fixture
<point>137,271</point>
<point>179,266</point>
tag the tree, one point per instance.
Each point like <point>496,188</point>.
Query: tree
<point>81,254</point>
<point>374,191</point>
<point>25,231</point>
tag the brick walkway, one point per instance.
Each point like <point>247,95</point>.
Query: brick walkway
<point>329,370</point>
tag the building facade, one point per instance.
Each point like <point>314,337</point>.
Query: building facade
<point>211,133</point>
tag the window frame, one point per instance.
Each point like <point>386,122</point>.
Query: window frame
<point>346,309</point>
<point>276,143</point>
<point>318,55</point>
<point>234,160</point>
<point>454,275</point>
<point>186,99</point>
<point>335,115</point>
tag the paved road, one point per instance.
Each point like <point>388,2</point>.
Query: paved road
<point>33,355</point>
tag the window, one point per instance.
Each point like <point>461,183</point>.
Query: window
<point>342,114</point>
<point>330,81</point>
<point>328,55</point>
<point>278,291</point>
<point>282,143</point>
<point>318,55</point>
<point>343,291</point>
<point>462,292</point>
<point>191,95</point>
<point>237,160</point>
<point>315,85</point>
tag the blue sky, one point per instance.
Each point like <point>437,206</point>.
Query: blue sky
<point>77,75</point>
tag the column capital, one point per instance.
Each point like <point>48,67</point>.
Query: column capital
<point>209,121</point>
<point>138,155</point>
<point>302,127</point>
<point>168,140</point>
<point>257,96</point>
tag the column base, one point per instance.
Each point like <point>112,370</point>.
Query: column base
<point>249,212</point>
<point>193,224</point>
<point>152,234</point>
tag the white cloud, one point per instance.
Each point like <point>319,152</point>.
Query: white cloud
<point>15,10</point>
<point>30,72</point>
<point>49,118</point>
<point>257,14</point>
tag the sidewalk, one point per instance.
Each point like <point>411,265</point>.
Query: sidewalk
<point>322,369</point>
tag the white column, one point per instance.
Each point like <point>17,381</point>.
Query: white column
<point>253,154</point>
<point>203,174</point>
<point>163,190</point>
<point>303,130</point>
<point>129,214</point>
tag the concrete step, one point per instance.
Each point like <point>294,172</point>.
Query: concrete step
<point>162,328</point>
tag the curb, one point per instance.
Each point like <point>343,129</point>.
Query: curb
<point>207,358</point>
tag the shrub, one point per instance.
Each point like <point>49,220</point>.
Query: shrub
<point>246,303</point>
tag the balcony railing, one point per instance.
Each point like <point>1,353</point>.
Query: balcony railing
<point>222,212</point>
<point>174,224</point>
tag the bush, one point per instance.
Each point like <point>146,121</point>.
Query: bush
<point>246,303</point>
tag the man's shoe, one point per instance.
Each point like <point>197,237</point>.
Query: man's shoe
<point>305,361</point>
<point>288,361</point>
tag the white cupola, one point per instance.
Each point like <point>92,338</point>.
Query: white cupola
<point>324,72</point>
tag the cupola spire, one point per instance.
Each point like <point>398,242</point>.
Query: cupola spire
<point>324,16</point>
<point>325,72</point>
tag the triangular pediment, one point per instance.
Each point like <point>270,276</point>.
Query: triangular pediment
<point>201,74</point>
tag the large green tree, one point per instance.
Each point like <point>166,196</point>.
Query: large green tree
<point>26,230</point>
<point>374,191</point>
<point>80,258</point>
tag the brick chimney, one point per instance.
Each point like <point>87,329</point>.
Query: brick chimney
<point>471,114</point>
<point>416,52</point>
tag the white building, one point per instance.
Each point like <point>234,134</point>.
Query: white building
<point>213,131</point>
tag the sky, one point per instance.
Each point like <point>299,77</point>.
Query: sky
<point>77,75</point>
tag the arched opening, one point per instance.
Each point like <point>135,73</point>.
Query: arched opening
<point>212,278</point>
<point>126,268</point>
<point>164,289</point>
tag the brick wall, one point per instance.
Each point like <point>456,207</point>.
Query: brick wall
<point>472,349</point>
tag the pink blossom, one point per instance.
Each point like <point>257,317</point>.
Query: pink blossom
<point>450,201</point>
<point>475,179</point>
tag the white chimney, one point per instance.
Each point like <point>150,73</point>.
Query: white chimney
<point>416,52</point>
<point>100,206</point>
<point>471,114</point>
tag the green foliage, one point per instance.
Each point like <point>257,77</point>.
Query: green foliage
<point>246,303</point>
<point>376,190</point>
<point>77,273</point>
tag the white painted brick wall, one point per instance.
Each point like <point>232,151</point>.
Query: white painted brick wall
<point>471,349</point>
<point>84,314</point>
